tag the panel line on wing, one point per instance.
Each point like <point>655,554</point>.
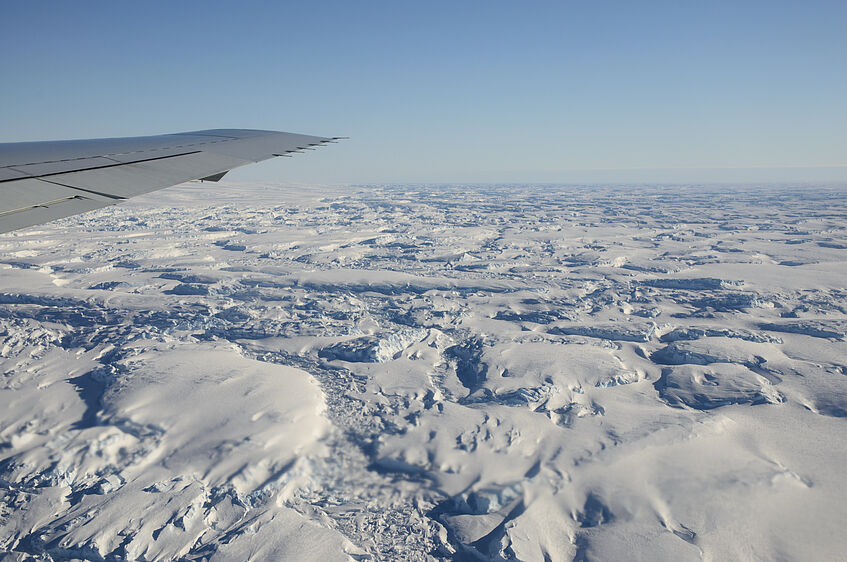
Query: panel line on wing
<point>45,204</point>
<point>108,155</point>
<point>100,193</point>
<point>102,167</point>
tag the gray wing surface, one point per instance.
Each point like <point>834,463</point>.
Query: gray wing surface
<point>44,181</point>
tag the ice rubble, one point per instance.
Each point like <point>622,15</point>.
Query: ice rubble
<point>373,349</point>
<point>410,372</point>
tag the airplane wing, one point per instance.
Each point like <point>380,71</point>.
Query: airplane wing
<point>44,181</point>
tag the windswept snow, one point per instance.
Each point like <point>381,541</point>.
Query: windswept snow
<point>452,372</point>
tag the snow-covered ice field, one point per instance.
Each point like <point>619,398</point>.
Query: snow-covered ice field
<point>239,372</point>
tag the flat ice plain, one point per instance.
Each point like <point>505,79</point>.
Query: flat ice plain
<point>239,372</point>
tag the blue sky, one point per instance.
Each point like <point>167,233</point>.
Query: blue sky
<point>437,91</point>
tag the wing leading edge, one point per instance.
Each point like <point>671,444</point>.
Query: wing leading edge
<point>45,181</point>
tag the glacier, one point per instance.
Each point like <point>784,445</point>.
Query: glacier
<point>446,372</point>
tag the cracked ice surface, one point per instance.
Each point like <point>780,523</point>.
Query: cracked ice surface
<point>537,373</point>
